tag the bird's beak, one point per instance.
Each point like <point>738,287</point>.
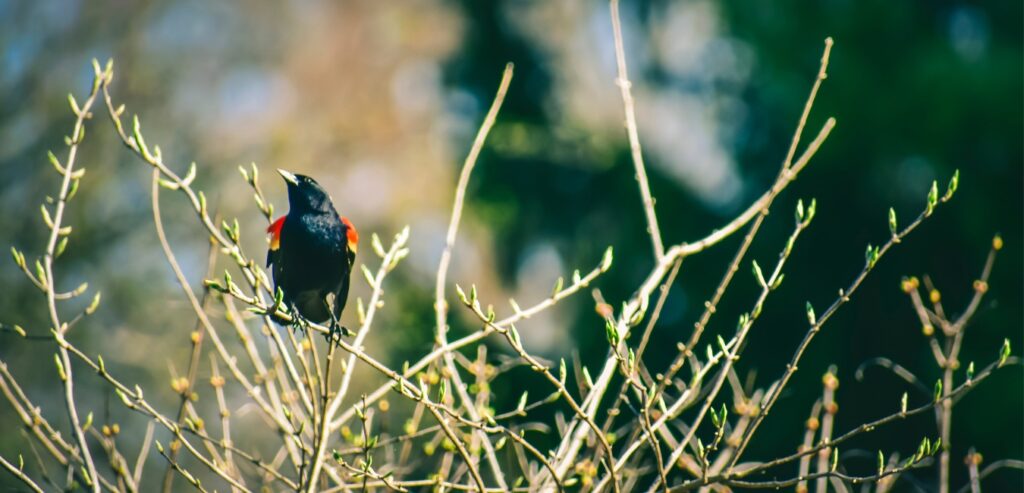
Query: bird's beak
<point>288,177</point>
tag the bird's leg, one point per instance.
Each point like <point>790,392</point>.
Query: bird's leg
<point>336,328</point>
<point>298,322</point>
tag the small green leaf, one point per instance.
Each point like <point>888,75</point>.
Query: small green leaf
<point>758,274</point>
<point>871,255</point>
<point>954,182</point>
<point>367,274</point>
<point>810,212</point>
<point>513,334</point>
<point>558,286</point>
<point>778,281</point>
<point>56,163</point>
<point>892,221</point>
<point>938,390</point>
<point>562,372</point>
<point>94,304</point>
<point>881,463</point>
<point>606,260</point>
<point>933,198</point>
<point>611,333</point>
<point>60,368</point>
<point>40,273</point>
<point>1004,353</point>
<point>61,246</point>
<point>46,216</point>
<point>800,210</point>
<point>19,258</point>
<point>190,175</point>
<point>810,314</point>
<point>378,247</point>
<point>522,402</point>
<point>903,403</point>
<point>970,371</point>
<point>74,104</point>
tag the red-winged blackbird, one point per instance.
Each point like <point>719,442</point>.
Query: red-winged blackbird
<point>312,249</point>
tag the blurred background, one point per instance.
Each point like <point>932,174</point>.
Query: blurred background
<point>379,101</point>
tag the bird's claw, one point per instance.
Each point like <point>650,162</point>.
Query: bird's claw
<point>337,332</point>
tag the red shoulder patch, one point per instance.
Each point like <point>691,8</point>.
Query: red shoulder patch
<point>275,232</point>
<point>351,234</point>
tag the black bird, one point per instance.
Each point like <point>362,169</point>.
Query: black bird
<point>312,250</point>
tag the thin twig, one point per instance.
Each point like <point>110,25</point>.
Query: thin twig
<point>622,80</point>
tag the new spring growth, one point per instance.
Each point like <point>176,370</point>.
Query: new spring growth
<point>923,449</point>
<point>60,368</point>
<point>933,198</point>
<point>810,314</point>
<point>513,335</point>
<point>810,213</point>
<point>759,275</point>
<point>378,247</point>
<point>903,404</point>
<point>611,332</point>
<point>970,372</point>
<point>871,255</point>
<point>881,463</point>
<point>718,419</point>
<point>19,258</point>
<point>938,390</point>
<point>1004,353</point>
<point>56,163</point>
<point>954,182</point>
<point>892,224</point>
<point>606,260</point>
<point>521,407</point>
<point>367,274</point>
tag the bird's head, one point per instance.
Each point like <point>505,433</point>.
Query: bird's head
<point>305,194</point>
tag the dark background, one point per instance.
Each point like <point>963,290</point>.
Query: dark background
<point>380,103</point>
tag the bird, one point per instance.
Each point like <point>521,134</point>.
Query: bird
<point>312,251</point>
